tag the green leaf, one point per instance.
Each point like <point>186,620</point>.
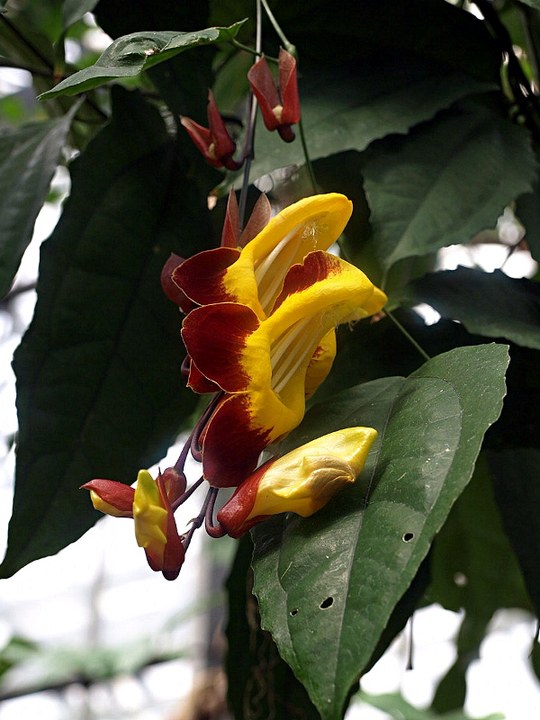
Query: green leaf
<point>28,159</point>
<point>490,304</point>
<point>73,10</point>
<point>445,181</point>
<point>465,577</point>
<point>98,372</point>
<point>331,581</point>
<point>342,111</point>
<point>517,490</point>
<point>533,3</point>
<point>400,709</point>
<point>131,54</point>
<point>260,683</point>
<point>528,212</point>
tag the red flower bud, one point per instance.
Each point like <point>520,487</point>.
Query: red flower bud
<point>214,142</point>
<point>280,106</point>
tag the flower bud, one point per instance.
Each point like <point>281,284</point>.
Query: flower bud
<point>302,481</point>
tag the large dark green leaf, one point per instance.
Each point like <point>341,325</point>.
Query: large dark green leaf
<point>517,490</point>
<point>342,110</point>
<point>98,372</point>
<point>260,684</point>
<point>73,10</point>
<point>399,709</point>
<point>446,181</point>
<point>360,34</point>
<point>28,159</point>
<point>130,55</point>
<point>464,577</point>
<point>331,581</point>
<point>490,304</point>
<point>533,3</point>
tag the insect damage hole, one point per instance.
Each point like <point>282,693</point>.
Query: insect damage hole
<point>327,603</point>
<point>407,537</point>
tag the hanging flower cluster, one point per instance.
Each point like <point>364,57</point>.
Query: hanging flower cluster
<point>259,331</point>
<point>279,105</point>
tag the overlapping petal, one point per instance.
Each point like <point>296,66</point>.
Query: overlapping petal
<point>280,106</point>
<point>302,481</point>
<point>213,142</point>
<point>150,505</point>
<point>254,275</point>
<point>262,365</point>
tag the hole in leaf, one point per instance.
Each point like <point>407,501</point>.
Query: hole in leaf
<point>327,603</point>
<point>460,579</point>
<point>407,537</point>
<point>293,612</point>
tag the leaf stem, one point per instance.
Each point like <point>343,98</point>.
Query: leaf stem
<point>407,334</point>
<point>289,47</point>
<point>252,51</point>
<point>250,131</point>
<point>309,166</point>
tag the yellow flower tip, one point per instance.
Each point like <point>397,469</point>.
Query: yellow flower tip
<point>302,481</point>
<point>111,497</point>
<point>104,507</point>
<point>149,514</point>
<point>305,479</point>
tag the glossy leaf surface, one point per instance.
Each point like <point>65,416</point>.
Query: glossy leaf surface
<point>342,112</point>
<point>445,181</point>
<point>132,54</point>
<point>28,159</point>
<point>491,304</point>
<point>99,368</point>
<point>332,581</point>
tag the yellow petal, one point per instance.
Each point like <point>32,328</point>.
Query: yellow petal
<point>313,223</point>
<point>305,479</point>
<point>149,514</point>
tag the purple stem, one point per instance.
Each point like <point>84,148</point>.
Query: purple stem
<point>184,496</point>
<point>215,531</point>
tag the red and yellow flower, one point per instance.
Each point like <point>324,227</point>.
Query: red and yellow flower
<point>150,506</point>
<point>302,481</point>
<point>254,275</point>
<point>262,365</point>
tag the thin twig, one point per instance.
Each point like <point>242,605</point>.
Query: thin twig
<point>407,334</point>
<point>248,150</point>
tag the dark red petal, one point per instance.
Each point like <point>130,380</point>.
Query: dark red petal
<point>264,88</point>
<point>286,133</point>
<point>317,266</point>
<point>224,144</point>
<point>230,235</point>
<point>259,219</point>
<point>233,514</point>
<point>117,494</point>
<point>231,447</point>
<point>170,288</point>
<point>215,337</point>
<point>169,484</point>
<point>201,276</point>
<point>288,86</point>
<point>198,383</point>
<point>172,484</point>
<point>202,139</point>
